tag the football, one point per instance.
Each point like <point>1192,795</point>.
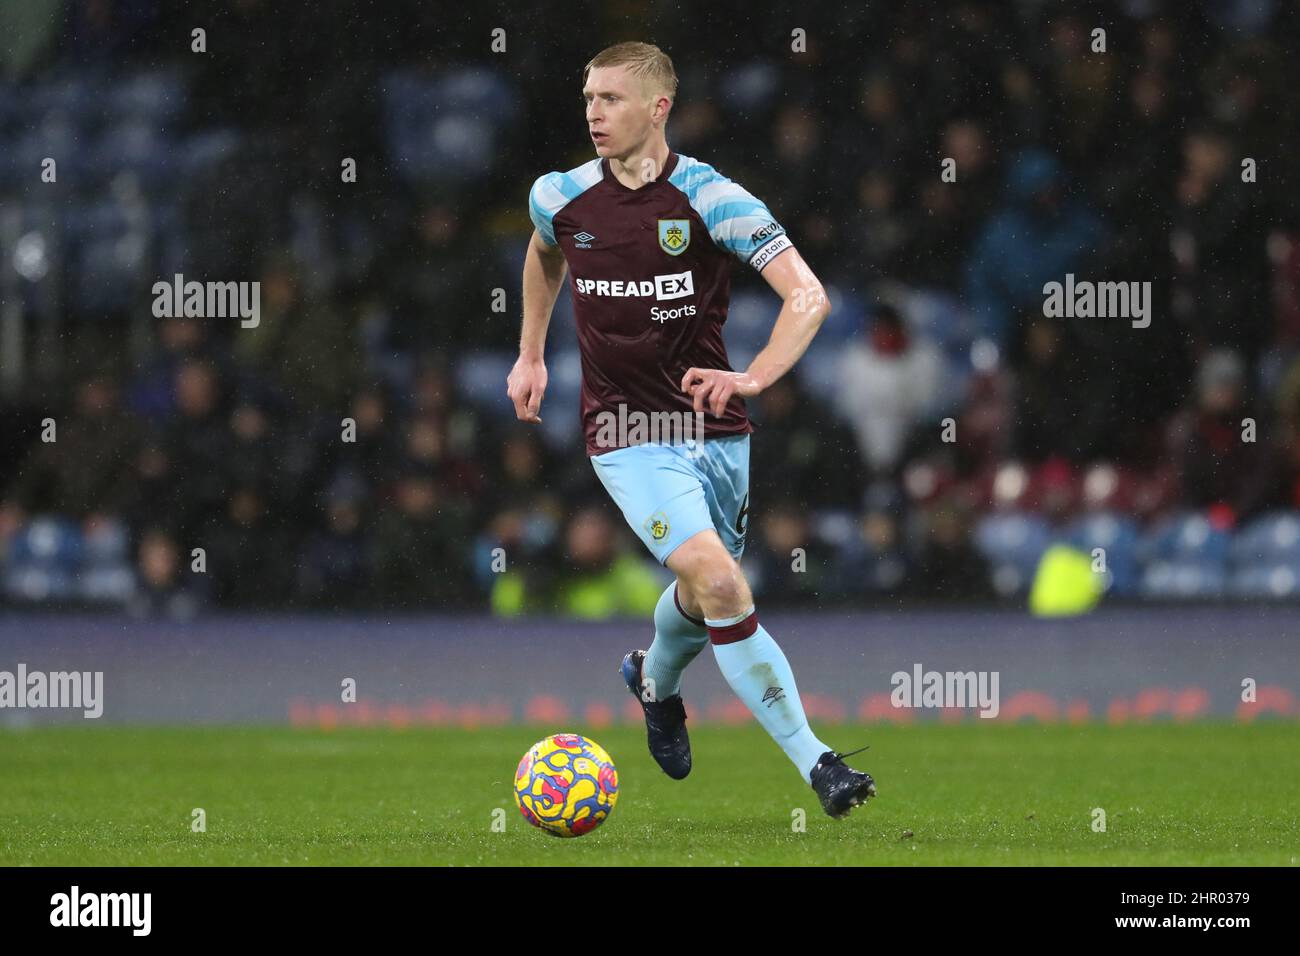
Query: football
<point>566,785</point>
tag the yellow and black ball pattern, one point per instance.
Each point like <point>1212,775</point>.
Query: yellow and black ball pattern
<point>566,785</point>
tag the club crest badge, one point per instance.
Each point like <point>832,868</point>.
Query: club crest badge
<point>674,235</point>
<point>657,525</point>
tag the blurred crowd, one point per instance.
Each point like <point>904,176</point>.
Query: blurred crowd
<point>355,449</point>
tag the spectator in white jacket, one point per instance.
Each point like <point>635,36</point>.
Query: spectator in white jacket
<point>888,381</point>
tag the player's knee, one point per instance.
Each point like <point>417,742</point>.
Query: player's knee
<point>717,585</point>
<point>711,576</point>
<point>727,594</point>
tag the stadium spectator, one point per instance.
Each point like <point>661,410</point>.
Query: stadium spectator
<point>1217,467</point>
<point>789,566</point>
<point>886,385</point>
<point>335,567</point>
<point>807,454</point>
<point>152,394</point>
<point>165,586</point>
<point>85,471</point>
<point>198,444</point>
<point>1039,227</point>
<point>306,348</point>
<point>1054,401</point>
<point>419,542</point>
<point>252,556</point>
<point>1220,269</point>
<point>944,559</point>
<point>950,214</point>
<point>600,578</point>
<point>873,559</point>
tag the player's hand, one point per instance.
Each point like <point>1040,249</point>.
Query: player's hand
<point>714,387</point>
<point>526,384</point>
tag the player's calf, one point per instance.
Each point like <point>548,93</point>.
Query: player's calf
<point>751,661</point>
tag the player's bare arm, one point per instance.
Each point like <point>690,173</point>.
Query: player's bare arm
<point>805,306</point>
<point>544,269</point>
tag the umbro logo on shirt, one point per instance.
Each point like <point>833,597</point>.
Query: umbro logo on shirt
<point>583,240</point>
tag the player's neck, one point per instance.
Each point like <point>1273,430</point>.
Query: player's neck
<point>641,167</point>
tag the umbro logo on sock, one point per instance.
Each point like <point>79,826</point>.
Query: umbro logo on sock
<point>772,695</point>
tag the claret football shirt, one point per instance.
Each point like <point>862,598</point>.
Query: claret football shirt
<point>650,273</point>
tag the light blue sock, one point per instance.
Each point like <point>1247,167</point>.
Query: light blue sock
<point>760,675</point>
<point>677,642</point>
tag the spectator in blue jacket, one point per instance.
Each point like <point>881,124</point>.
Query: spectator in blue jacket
<point>1036,237</point>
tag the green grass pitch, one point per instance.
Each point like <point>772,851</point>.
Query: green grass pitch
<point>968,793</point>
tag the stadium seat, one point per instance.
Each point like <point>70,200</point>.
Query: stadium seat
<point>749,320</point>
<point>1266,580</point>
<point>1270,538</point>
<point>43,560</point>
<point>510,253</point>
<point>55,136</point>
<point>201,152</point>
<point>107,545</point>
<point>1183,579</point>
<point>170,247</point>
<point>562,425</point>
<point>750,87</point>
<point>75,96</point>
<point>561,414</point>
<point>107,246</point>
<point>937,315</point>
<point>1009,579</point>
<point>849,315</point>
<point>47,541</point>
<point>1012,543</point>
<point>30,583</point>
<point>836,527</point>
<point>1118,534</point>
<point>481,379</point>
<point>478,91</point>
<point>564,375</point>
<point>563,331</point>
<point>139,146</point>
<point>818,369</point>
<point>113,584</point>
<point>13,104</point>
<point>450,127</point>
<point>1187,537</point>
<point>1104,529</point>
<point>157,95</point>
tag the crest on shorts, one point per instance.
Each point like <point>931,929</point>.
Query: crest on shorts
<point>674,235</point>
<point>657,525</point>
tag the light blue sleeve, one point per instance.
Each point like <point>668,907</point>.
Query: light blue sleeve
<point>542,206</point>
<point>737,221</point>
<point>553,191</point>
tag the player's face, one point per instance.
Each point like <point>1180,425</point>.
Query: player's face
<point>619,113</point>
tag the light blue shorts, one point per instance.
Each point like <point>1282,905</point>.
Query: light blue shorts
<point>669,493</point>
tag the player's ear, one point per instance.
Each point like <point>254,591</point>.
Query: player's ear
<point>663,106</point>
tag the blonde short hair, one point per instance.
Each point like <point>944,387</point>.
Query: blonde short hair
<point>645,60</point>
